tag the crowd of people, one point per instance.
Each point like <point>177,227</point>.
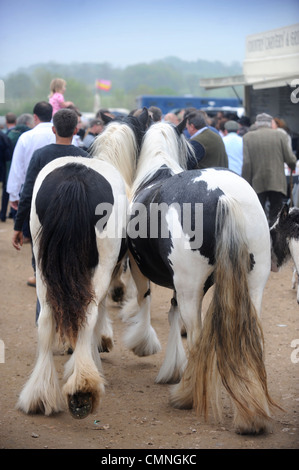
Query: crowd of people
<point>259,151</point>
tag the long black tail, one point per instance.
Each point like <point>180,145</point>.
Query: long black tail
<point>67,245</point>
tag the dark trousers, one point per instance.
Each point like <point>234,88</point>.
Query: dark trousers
<point>4,203</point>
<point>276,201</point>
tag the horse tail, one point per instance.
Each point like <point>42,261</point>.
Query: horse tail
<point>67,250</point>
<point>230,346</point>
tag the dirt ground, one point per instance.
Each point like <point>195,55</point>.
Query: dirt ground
<point>135,412</point>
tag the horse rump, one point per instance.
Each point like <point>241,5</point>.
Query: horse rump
<point>67,249</point>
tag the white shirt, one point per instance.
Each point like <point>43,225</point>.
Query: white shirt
<point>27,143</point>
<point>234,149</point>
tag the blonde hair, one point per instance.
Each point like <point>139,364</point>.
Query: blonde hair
<point>56,85</point>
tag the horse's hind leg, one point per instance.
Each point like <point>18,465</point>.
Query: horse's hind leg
<point>103,329</point>
<point>190,309</point>
<point>117,289</point>
<point>42,392</point>
<point>84,384</point>
<point>190,292</point>
<point>295,282</point>
<point>175,357</point>
<point>140,336</point>
<point>294,249</point>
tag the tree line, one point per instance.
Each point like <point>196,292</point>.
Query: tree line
<point>171,76</point>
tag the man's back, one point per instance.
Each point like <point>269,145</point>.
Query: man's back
<point>27,143</point>
<point>5,154</point>
<point>16,132</point>
<point>234,148</point>
<point>265,150</point>
<point>40,158</point>
<point>215,153</point>
<point>46,154</point>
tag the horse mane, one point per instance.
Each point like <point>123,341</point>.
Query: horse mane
<point>117,145</point>
<point>162,145</point>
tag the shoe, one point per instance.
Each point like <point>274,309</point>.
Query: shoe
<point>31,281</point>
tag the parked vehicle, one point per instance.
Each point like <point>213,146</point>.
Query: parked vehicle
<point>174,103</point>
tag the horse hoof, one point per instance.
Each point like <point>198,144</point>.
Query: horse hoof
<point>80,405</point>
<point>106,345</point>
<point>117,294</point>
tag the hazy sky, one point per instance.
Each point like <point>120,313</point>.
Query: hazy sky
<point>126,32</point>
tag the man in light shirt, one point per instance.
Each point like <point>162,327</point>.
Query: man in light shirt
<point>233,146</point>
<point>28,142</point>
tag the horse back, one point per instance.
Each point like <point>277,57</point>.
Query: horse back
<point>178,199</point>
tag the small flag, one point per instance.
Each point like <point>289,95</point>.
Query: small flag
<point>103,85</point>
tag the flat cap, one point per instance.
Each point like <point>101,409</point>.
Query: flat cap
<point>263,119</point>
<point>231,126</point>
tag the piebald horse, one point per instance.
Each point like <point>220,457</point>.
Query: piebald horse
<point>285,242</point>
<point>189,230</point>
<point>78,226</point>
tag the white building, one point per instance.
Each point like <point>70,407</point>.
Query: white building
<point>270,76</point>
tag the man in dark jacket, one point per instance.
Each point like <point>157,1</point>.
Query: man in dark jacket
<point>23,124</point>
<point>5,157</point>
<point>64,127</point>
<point>208,145</point>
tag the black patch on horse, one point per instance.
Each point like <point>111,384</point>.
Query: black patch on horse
<point>182,188</point>
<point>152,254</point>
<point>139,124</point>
<point>67,183</point>
<point>149,251</point>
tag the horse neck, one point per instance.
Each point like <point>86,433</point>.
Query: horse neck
<point>157,151</point>
<point>117,146</point>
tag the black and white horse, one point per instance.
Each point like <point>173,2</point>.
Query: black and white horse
<point>189,230</point>
<point>285,242</point>
<point>78,226</point>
